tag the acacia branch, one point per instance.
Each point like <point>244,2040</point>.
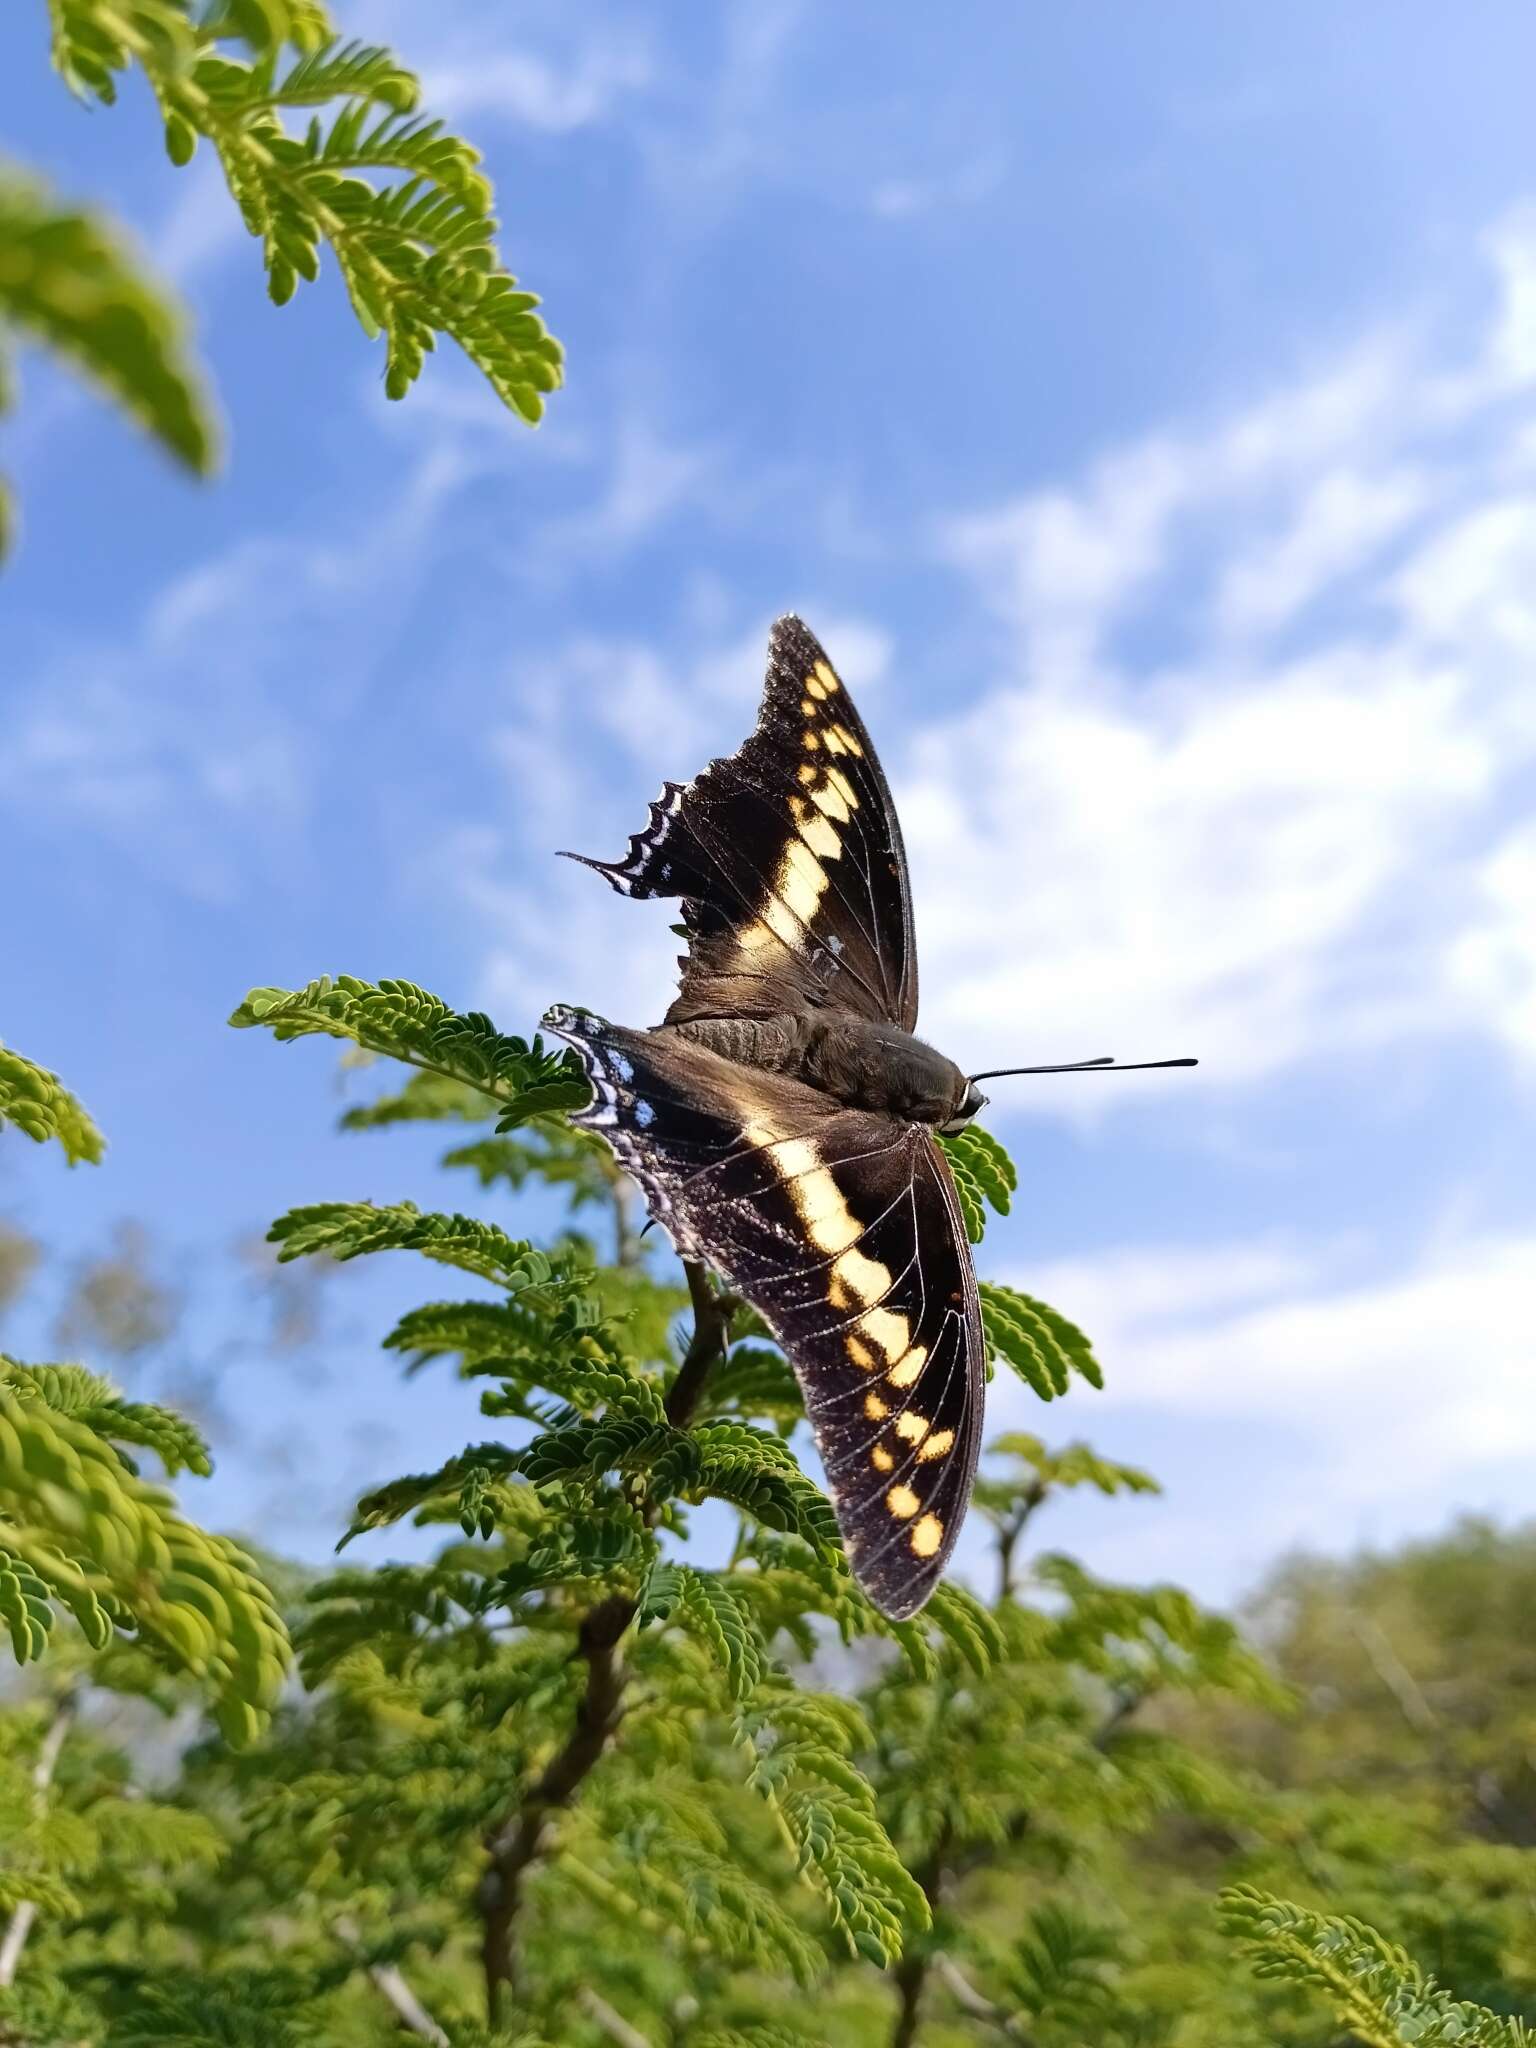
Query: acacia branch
<point>1008,1534</point>
<point>515,1847</point>
<point>911,1973</point>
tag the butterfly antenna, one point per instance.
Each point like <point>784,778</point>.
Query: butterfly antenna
<point>1086,1066</point>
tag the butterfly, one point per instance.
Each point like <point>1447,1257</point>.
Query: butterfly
<point>782,1119</point>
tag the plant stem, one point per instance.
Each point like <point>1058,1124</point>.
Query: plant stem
<point>25,1912</point>
<point>515,1847</point>
<point>911,1973</point>
<point>391,1985</point>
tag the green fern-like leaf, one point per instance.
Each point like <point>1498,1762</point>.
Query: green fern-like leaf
<point>43,1892</point>
<point>712,1607</point>
<point>1373,1987</point>
<point>104,1544</point>
<point>399,201</point>
<point>1074,1465</point>
<point>425,1098</point>
<point>1055,1970</point>
<point>758,1475</point>
<point>69,280</point>
<point>38,1103</point>
<point>984,1174</point>
<point>24,1607</point>
<point>93,1400</point>
<point>955,1613</point>
<point>403,1021</point>
<point>1041,1345</point>
<point>527,1344</point>
<point>387,1504</point>
<point>801,1747</point>
<point>349,1230</point>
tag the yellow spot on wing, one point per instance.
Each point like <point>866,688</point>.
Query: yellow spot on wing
<point>807,771</point>
<point>837,780</point>
<point>859,1278</point>
<point>927,1535</point>
<point>807,708</point>
<point>908,1365</point>
<point>829,1223</point>
<point>821,836</point>
<point>830,803</point>
<point>875,1408</point>
<point>902,1502</point>
<point>858,1351</point>
<point>813,682</point>
<point>810,741</point>
<point>841,741</point>
<point>892,1332</point>
<point>912,1426</point>
<point>938,1445</point>
<point>881,1458</point>
<point>797,892</point>
<point>826,677</point>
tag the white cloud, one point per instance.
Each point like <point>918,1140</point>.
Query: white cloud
<point>1494,959</point>
<point>1511,246</point>
<point>1395,1397</point>
<point>524,87</point>
<point>1280,833</point>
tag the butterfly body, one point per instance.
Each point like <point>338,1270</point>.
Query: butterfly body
<point>859,1064</point>
<point>781,1119</point>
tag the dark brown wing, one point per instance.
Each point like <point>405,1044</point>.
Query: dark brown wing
<point>844,1231</point>
<point>788,858</point>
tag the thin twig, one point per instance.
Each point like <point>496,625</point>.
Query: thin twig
<point>390,1983</point>
<point>1394,1674</point>
<point>976,2003</point>
<point>24,1913</point>
<point>911,1973</point>
<point>1008,1534</point>
<point>609,2022</point>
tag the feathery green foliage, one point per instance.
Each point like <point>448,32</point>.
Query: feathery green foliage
<point>1043,1348</point>
<point>80,1531</point>
<point>984,1175</point>
<point>399,200</point>
<point>322,146</point>
<point>37,1102</point>
<point>69,280</point>
<point>1371,1984</point>
<point>404,1022</point>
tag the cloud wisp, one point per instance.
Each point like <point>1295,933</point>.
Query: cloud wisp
<point>1260,726</point>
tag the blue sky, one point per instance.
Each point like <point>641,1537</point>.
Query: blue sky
<point>1141,404</point>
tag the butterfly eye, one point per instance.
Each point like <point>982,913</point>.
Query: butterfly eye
<point>974,1101</point>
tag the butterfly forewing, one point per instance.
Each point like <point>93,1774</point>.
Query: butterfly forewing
<point>788,858</point>
<point>843,1230</point>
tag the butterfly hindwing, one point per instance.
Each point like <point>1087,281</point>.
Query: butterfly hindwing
<point>843,1230</point>
<point>788,858</point>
